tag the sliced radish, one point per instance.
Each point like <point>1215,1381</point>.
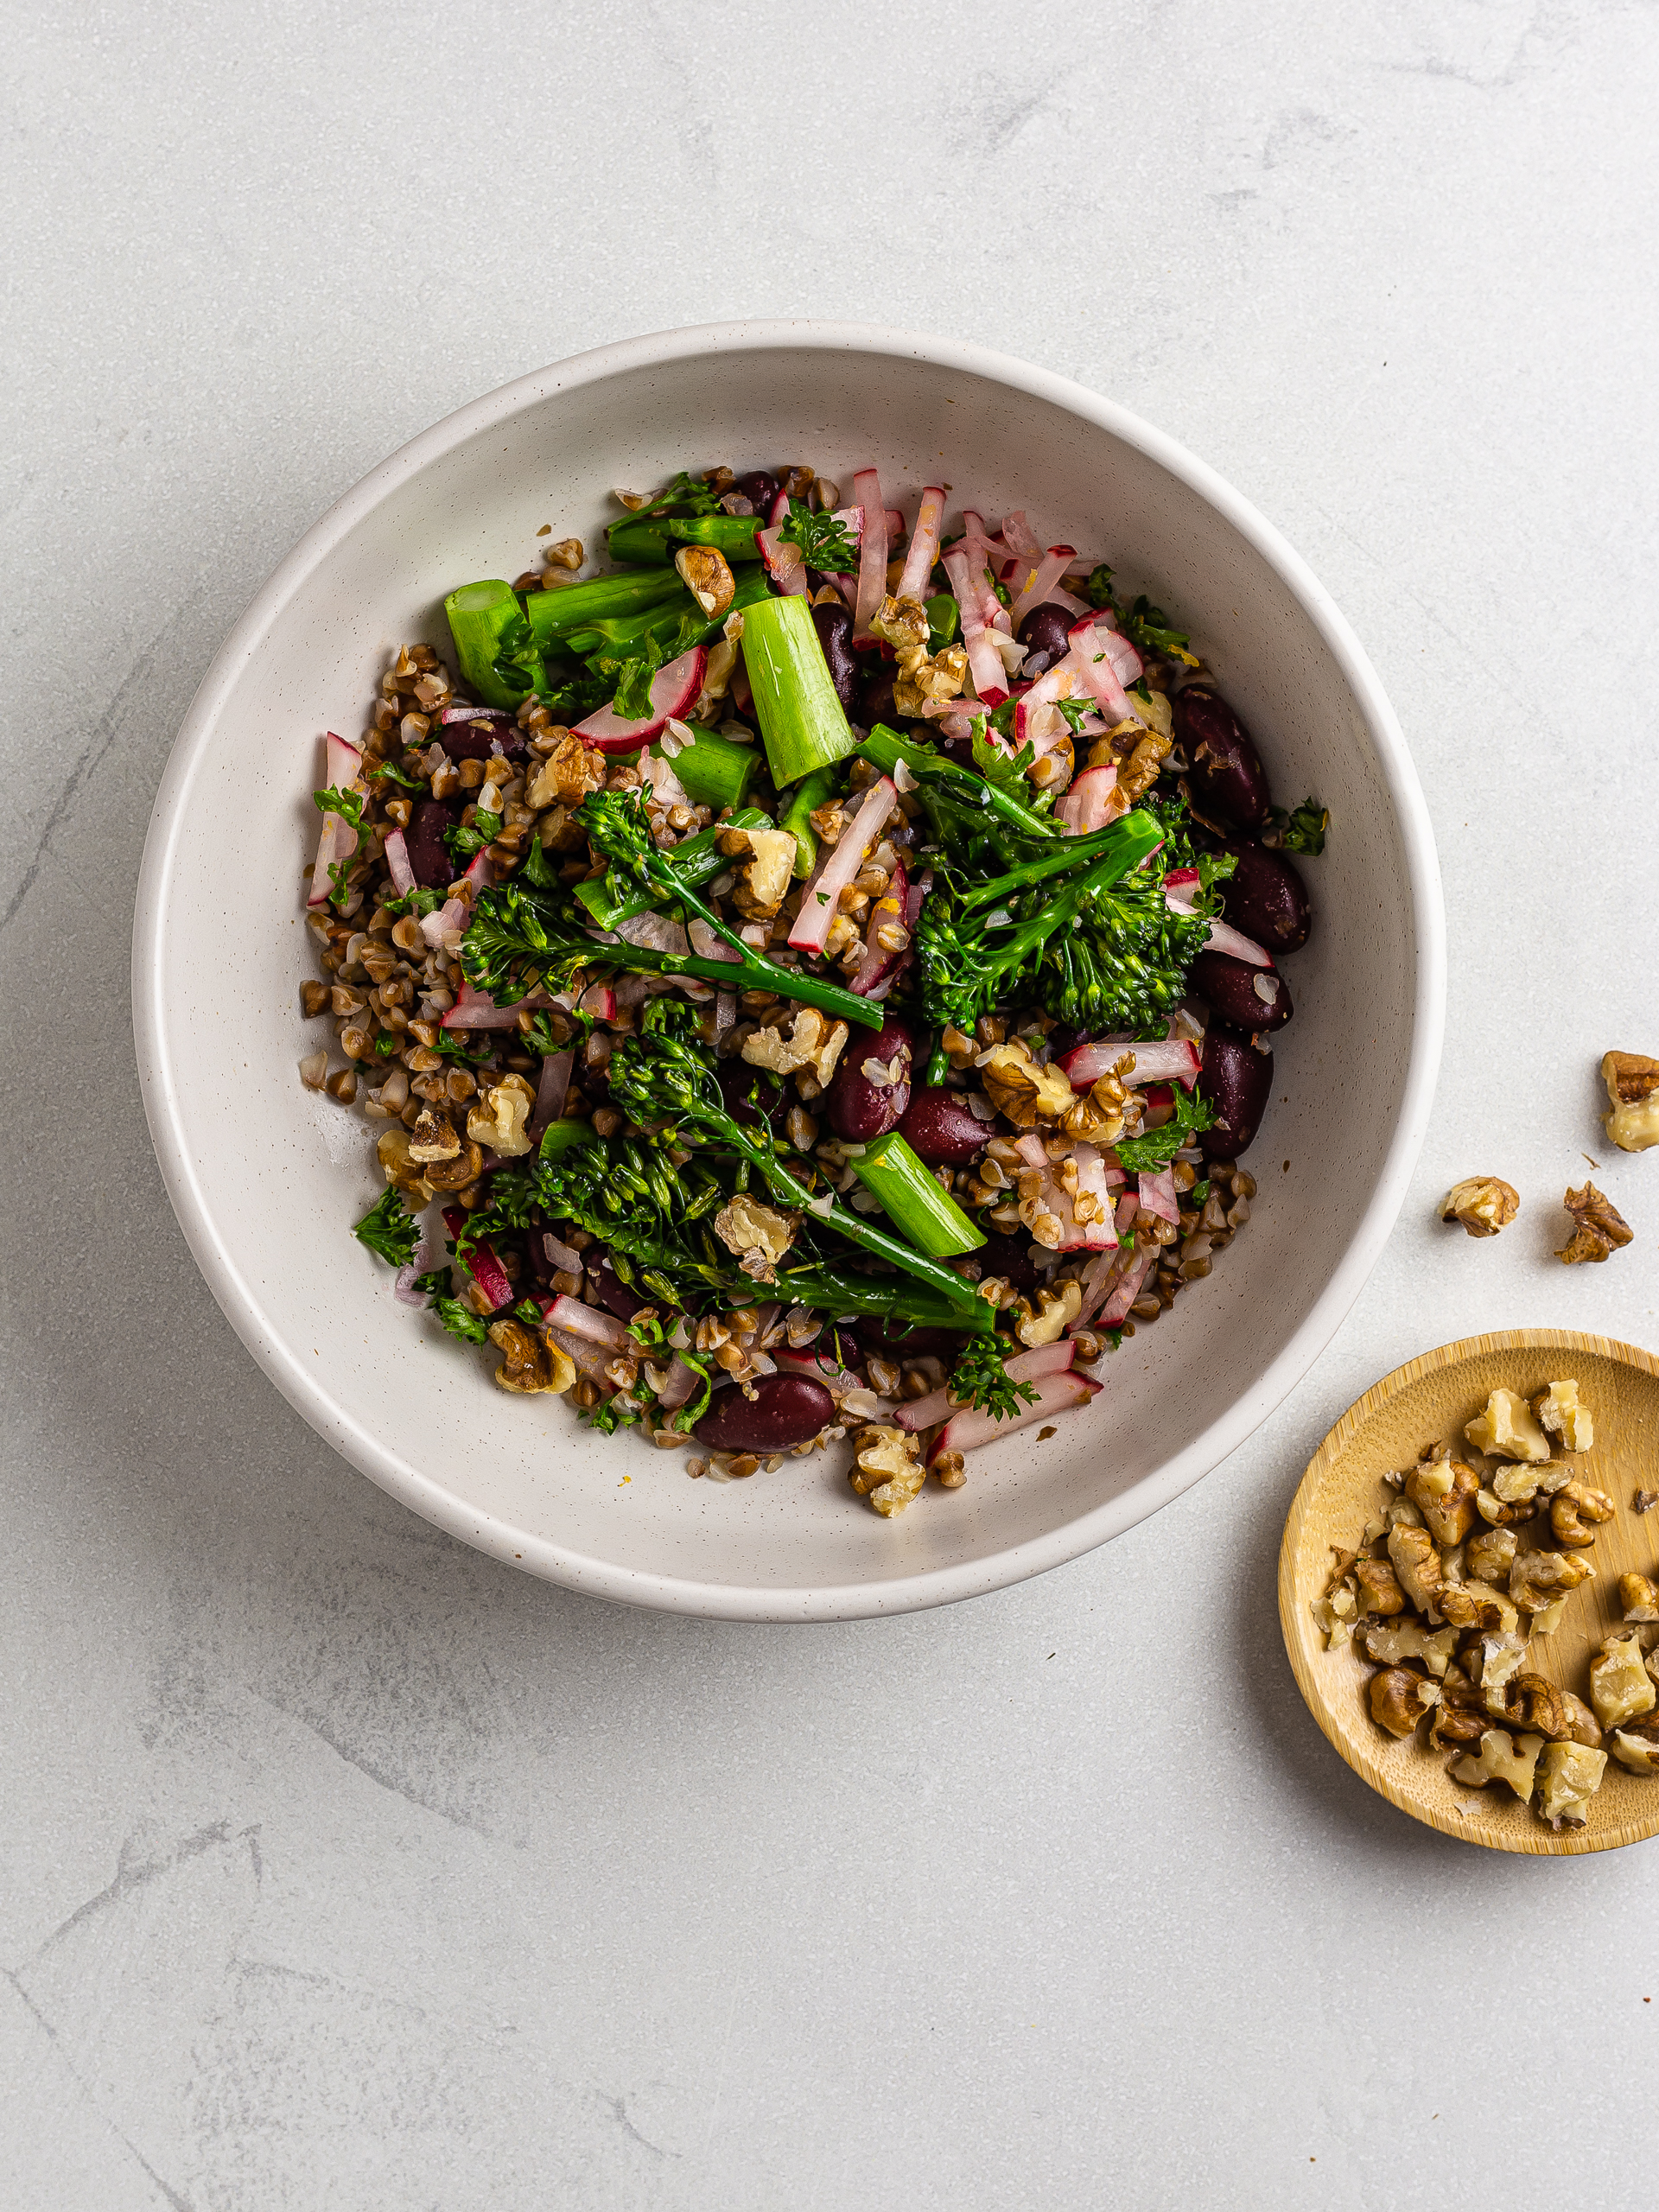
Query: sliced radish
<point>481,1263</point>
<point>600,1001</point>
<point>918,1413</point>
<point>564,1256</point>
<point>1020,538</point>
<point>1056,1394</point>
<point>887,911</point>
<point>872,553</point>
<point>336,844</point>
<point>1092,802</point>
<point>403,874</point>
<point>821,1367</point>
<point>1181,893</point>
<point>821,900</point>
<point>1157,1194</point>
<point>476,1009</point>
<point>983,660</point>
<point>680,1384</point>
<point>924,544</point>
<point>1093,663</point>
<point>1173,1061</point>
<point>345,762</point>
<point>550,1094</point>
<point>1127,1287</point>
<point>674,690</point>
<point>1046,573</point>
<point>442,920</point>
<point>785,566</point>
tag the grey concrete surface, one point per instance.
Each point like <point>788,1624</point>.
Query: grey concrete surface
<point>341,1868</point>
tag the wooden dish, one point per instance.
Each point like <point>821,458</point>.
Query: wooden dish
<point>1427,1401</point>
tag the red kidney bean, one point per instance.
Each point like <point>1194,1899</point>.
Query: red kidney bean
<point>940,1129</point>
<point>1250,998</point>
<point>834,627</point>
<point>785,1409</point>
<point>1009,1257</point>
<point>759,486</point>
<point>860,1110</point>
<point>1236,1078</point>
<point>613,1293</point>
<point>1044,630</point>
<point>1226,768</point>
<point>475,741</point>
<point>750,1097</point>
<point>891,1339</point>
<point>428,856</point>
<point>875,700</point>
<point>1265,897</point>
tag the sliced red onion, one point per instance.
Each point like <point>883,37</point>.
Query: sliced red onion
<point>481,1263</point>
<point>1046,573</point>
<point>550,1093</point>
<point>476,1009</point>
<point>918,1413</point>
<point>656,771</point>
<point>924,544</point>
<point>1157,1194</point>
<point>588,1357</point>
<point>564,1256</point>
<point>1127,1289</point>
<point>1094,1182</point>
<point>725,1012</point>
<point>878,963</point>
<point>480,872</point>
<point>1180,886</point>
<point>403,874</point>
<point>1092,802</point>
<point>1173,1061</point>
<point>983,660</point>
<point>821,900</point>
<point>872,552</point>
<point>708,943</point>
<point>1093,663</point>
<point>680,1384</point>
<point>403,1288</point>
<point>586,1322</point>
<point>674,690</point>
<point>1056,1394</point>
<point>657,932</point>
<point>438,924</point>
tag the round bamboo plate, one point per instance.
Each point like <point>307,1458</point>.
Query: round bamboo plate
<point>1427,1401</point>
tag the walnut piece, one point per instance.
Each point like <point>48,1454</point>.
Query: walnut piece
<point>1491,1554</point>
<point>1619,1687</point>
<point>758,1233</point>
<point>1532,1702</point>
<point>566,775</point>
<point>1444,1491</point>
<point>1098,1116</point>
<point>1501,1760</point>
<point>1379,1587</point>
<point>1599,1227</point>
<point>1560,1410</point>
<point>1390,1642</point>
<point>707,575</point>
<point>1639,1597</point>
<point>1484,1204</point>
<point>761,885</point>
<point>1478,1604</point>
<point>1632,1083</point>
<point>902,623</point>
<point>402,1171</point>
<point>433,1138</point>
<point>1507,1431</point>
<point>1574,1505</point>
<point>1056,1311</point>
<point>498,1116</point>
<point>1637,1750</point>
<point>1569,1775</point>
<point>812,1043</point>
<point>1582,1725</point>
<point>529,1362</point>
<point>1399,1699</point>
<point>1415,1560</point>
<point>887,1468</point>
<point>1538,1578</point>
<point>1017,1087</point>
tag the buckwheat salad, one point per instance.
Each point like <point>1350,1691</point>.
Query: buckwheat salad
<point>812,978</point>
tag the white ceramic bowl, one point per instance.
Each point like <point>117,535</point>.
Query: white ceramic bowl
<point>266,1177</point>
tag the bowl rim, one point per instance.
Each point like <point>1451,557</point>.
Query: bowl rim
<point>848,1600</point>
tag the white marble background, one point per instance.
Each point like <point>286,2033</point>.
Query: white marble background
<point>342,1868</point>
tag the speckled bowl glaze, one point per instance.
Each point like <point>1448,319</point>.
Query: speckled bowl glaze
<point>266,1177</point>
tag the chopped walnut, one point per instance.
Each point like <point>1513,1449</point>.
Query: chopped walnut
<point>1569,1775</point>
<point>1478,1604</point>
<point>1507,1431</point>
<point>567,553</point>
<point>399,1169</point>
<point>1491,1554</point>
<point>1532,1702</point>
<point>1023,1091</point>
<point>1620,1689</point>
<point>1444,1491</point>
<point>528,1364</point>
<point>1417,1563</point>
<point>1379,1587</point>
<point>1484,1204</point>
<point>1643,1501</point>
<point>570,771</point>
<point>1537,1579</point>
<point>902,623</point>
<point>1572,1506</point>
<point>759,1233</point>
<point>1632,1083</point>
<point>433,1138</point>
<point>887,1468</point>
<point>1599,1227</point>
<point>1391,1642</point>
<point>1636,1750</point>
<point>1056,1311</point>
<point>812,1043</point>
<point>1098,1116</point>
<point>498,1118</point>
<point>1638,1597</point>
<point>1495,1660</point>
<point>762,884</point>
<point>1560,1410</point>
<point>707,575</point>
<point>1399,1699</point>
<point>1501,1760</point>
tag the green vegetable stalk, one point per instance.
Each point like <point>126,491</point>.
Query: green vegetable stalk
<point>610,899</point>
<point>801,718</point>
<point>809,795</point>
<point>714,771</point>
<point>486,621</point>
<point>554,615</point>
<point>912,1199</point>
<point>650,541</point>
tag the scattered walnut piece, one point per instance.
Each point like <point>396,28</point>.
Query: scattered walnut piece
<point>1507,1430</point>
<point>1390,1642</point>
<point>1379,1586</point>
<point>812,1043</point>
<point>1491,1554</point>
<point>887,1468</point>
<point>1619,1687</point>
<point>1501,1760</point>
<point>1639,1597</point>
<point>1572,1506</point>
<point>1636,1748</point>
<point>1643,1501</point>
<point>1538,1578</point>
<point>707,575</point>
<point>1027,1094</point>
<point>1633,1081</point>
<point>1444,1491</point>
<point>1056,1312</point>
<point>1400,1699</point>
<point>1484,1204</point>
<point>570,771</point>
<point>761,1234</point>
<point>1569,1775</point>
<point>1417,1563</point>
<point>530,1364</point>
<point>1599,1227</point>
<point>499,1118</point>
<point>762,882</point>
<point>1561,1410</point>
<point>1478,1604</point>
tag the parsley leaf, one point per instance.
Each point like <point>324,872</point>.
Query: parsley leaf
<point>1098,589</point>
<point>826,542</point>
<point>1147,1154</point>
<point>346,803</point>
<point>1005,771</point>
<point>390,1229</point>
<point>1301,830</point>
<point>686,495</point>
<point>1147,627</point>
<point>463,1325</point>
<point>420,902</point>
<point>463,841</point>
<point>390,768</point>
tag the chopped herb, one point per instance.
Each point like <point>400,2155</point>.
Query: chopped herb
<point>1145,1155</point>
<point>348,804</point>
<point>1301,830</point>
<point>420,902</point>
<point>1199,1194</point>
<point>390,1229</point>
<point>825,542</point>
<point>463,841</point>
<point>389,768</point>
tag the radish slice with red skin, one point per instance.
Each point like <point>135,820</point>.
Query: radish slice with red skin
<point>924,544</point>
<point>344,762</point>
<point>1092,662</point>
<point>1157,1194</point>
<point>481,873</point>
<point>550,1094</point>
<point>476,1009</point>
<point>598,1000</point>
<point>836,1380</point>
<point>1092,802</point>
<point>1020,538</point>
<point>878,963</point>
<point>578,1319</point>
<point>336,844</point>
<point>674,692</point>
<point>983,660</point>
<point>872,553</point>
<point>785,570</point>
<point>984,558</point>
<point>821,900</point>
<point>588,1357</point>
<point>1173,1061</point>
<point>403,874</point>
<point>481,1263</point>
<point>1056,1394</point>
<point>918,1413</point>
<point>1047,573</point>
